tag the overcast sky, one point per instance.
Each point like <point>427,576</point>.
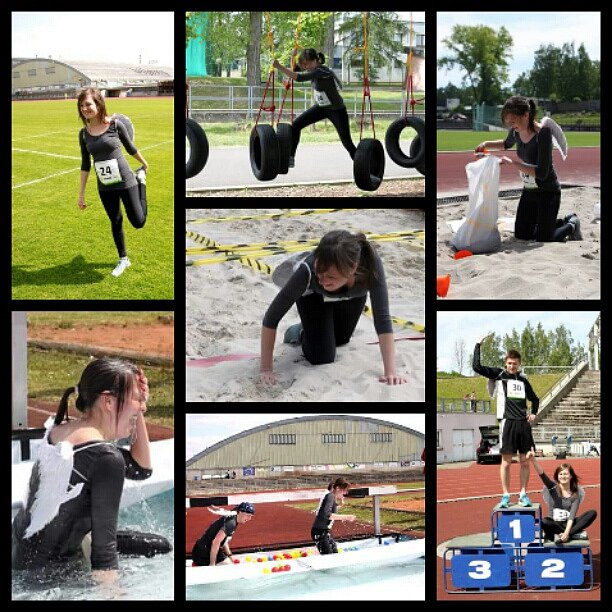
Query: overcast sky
<point>204,430</point>
<point>529,31</point>
<point>111,36</point>
<point>470,326</point>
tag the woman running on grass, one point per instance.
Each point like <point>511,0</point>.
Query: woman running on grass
<point>536,217</point>
<point>101,138</point>
<point>328,102</point>
<point>329,288</point>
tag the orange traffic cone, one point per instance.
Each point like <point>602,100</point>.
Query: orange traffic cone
<point>462,254</point>
<point>443,284</point>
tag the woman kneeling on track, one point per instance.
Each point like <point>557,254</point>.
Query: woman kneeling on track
<point>328,101</point>
<point>213,547</point>
<point>565,496</point>
<point>77,481</point>
<point>102,138</point>
<point>536,217</point>
<point>326,515</point>
<point>329,288</point>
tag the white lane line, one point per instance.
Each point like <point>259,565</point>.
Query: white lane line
<point>50,176</point>
<point>45,153</point>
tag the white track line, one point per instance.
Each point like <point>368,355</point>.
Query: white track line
<point>50,176</point>
<point>45,153</point>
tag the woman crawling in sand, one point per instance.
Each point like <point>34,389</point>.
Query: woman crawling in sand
<point>329,287</point>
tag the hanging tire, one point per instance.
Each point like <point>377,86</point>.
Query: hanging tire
<point>392,141</point>
<point>264,151</point>
<point>198,149</point>
<point>369,164</point>
<point>415,145</point>
<point>284,133</point>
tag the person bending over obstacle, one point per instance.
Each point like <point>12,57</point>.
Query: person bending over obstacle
<point>213,547</point>
<point>328,102</point>
<point>565,495</point>
<point>515,427</point>
<point>536,216</point>
<point>77,481</point>
<point>327,514</point>
<point>329,288</point>
<point>102,138</point>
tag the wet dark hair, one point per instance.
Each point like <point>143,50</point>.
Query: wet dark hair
<point>519,105</point>
<point>574,479</point>
<point>311,55</point>
<point>512,354</point>
<point>343,250</point>
<point>97,97</point>
<point>115,376</point>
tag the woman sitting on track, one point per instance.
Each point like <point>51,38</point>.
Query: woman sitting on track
<point>77,481</point>
<point>326,515</point>
<point>328,101</point>
<point>329,288</point>
<point>102,138</point>
<point>536,217</point>
<point>562,522</point>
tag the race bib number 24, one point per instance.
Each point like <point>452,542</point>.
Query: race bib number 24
<point>108,172</point>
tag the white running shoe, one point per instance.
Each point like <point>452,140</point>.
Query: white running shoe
<point>141,175</point>
<point>124,263</point>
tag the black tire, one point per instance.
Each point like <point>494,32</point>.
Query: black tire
<point>415,145</point>
<point>369,164</point>
<point>392,141</point>
<point>198,149</point>
<point>264,151</point>
<point>284,133</point>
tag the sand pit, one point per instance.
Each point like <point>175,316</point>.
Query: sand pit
<point>226,304</point>
<point>522,269</point>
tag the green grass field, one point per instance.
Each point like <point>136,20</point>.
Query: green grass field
<point>460,387</point>
<point>466,140</point>
<point>61,252</point>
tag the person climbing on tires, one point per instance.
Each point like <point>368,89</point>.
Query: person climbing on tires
<point>536,217</point>
<point>328,102</point>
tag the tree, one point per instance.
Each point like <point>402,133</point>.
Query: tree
<point>254,49</point>
<point>483,54</point>
<point>383,46</point>
<point>459,354</point>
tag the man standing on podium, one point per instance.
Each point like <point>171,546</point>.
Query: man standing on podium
<point>515,427</point>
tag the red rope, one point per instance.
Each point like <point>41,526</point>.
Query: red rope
<point>267,108</point>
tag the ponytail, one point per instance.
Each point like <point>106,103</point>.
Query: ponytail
<point>62,409</point>
<point>532,114</point>
<point>321,58</point>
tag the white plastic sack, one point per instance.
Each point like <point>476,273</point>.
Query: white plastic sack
<point>479,232</point>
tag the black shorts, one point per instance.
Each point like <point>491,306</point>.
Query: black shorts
<point>516,436</point>
<point>200,555</point>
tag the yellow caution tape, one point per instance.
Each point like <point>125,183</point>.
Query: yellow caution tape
<point>290,213</point>
<point>401,322</point>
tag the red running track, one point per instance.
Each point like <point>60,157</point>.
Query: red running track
<point>474,516</point>
<point>582,167</point>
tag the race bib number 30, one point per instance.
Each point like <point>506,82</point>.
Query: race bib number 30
<point>515,389</point>
<point>108,172</point>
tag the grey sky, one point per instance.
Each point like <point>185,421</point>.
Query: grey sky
<point>470,326</point>
<point>204,430</point>
<point>529,31</point>
<point>112,36</point>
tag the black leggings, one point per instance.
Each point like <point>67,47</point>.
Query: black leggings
<point>552,527</point>
<point>137,544</point>
<point>135,203</point>
<point>317,113</point>
<point>536,217</point>
<point>327,325</point>
<point>324,541</point>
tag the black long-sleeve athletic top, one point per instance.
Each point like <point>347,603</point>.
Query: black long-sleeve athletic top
<point>517,389</point>
<point>304,281</point>
<point>325,87</point>
<point>101,466</point>
<point>537,152</point>
<point>105,148</point>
